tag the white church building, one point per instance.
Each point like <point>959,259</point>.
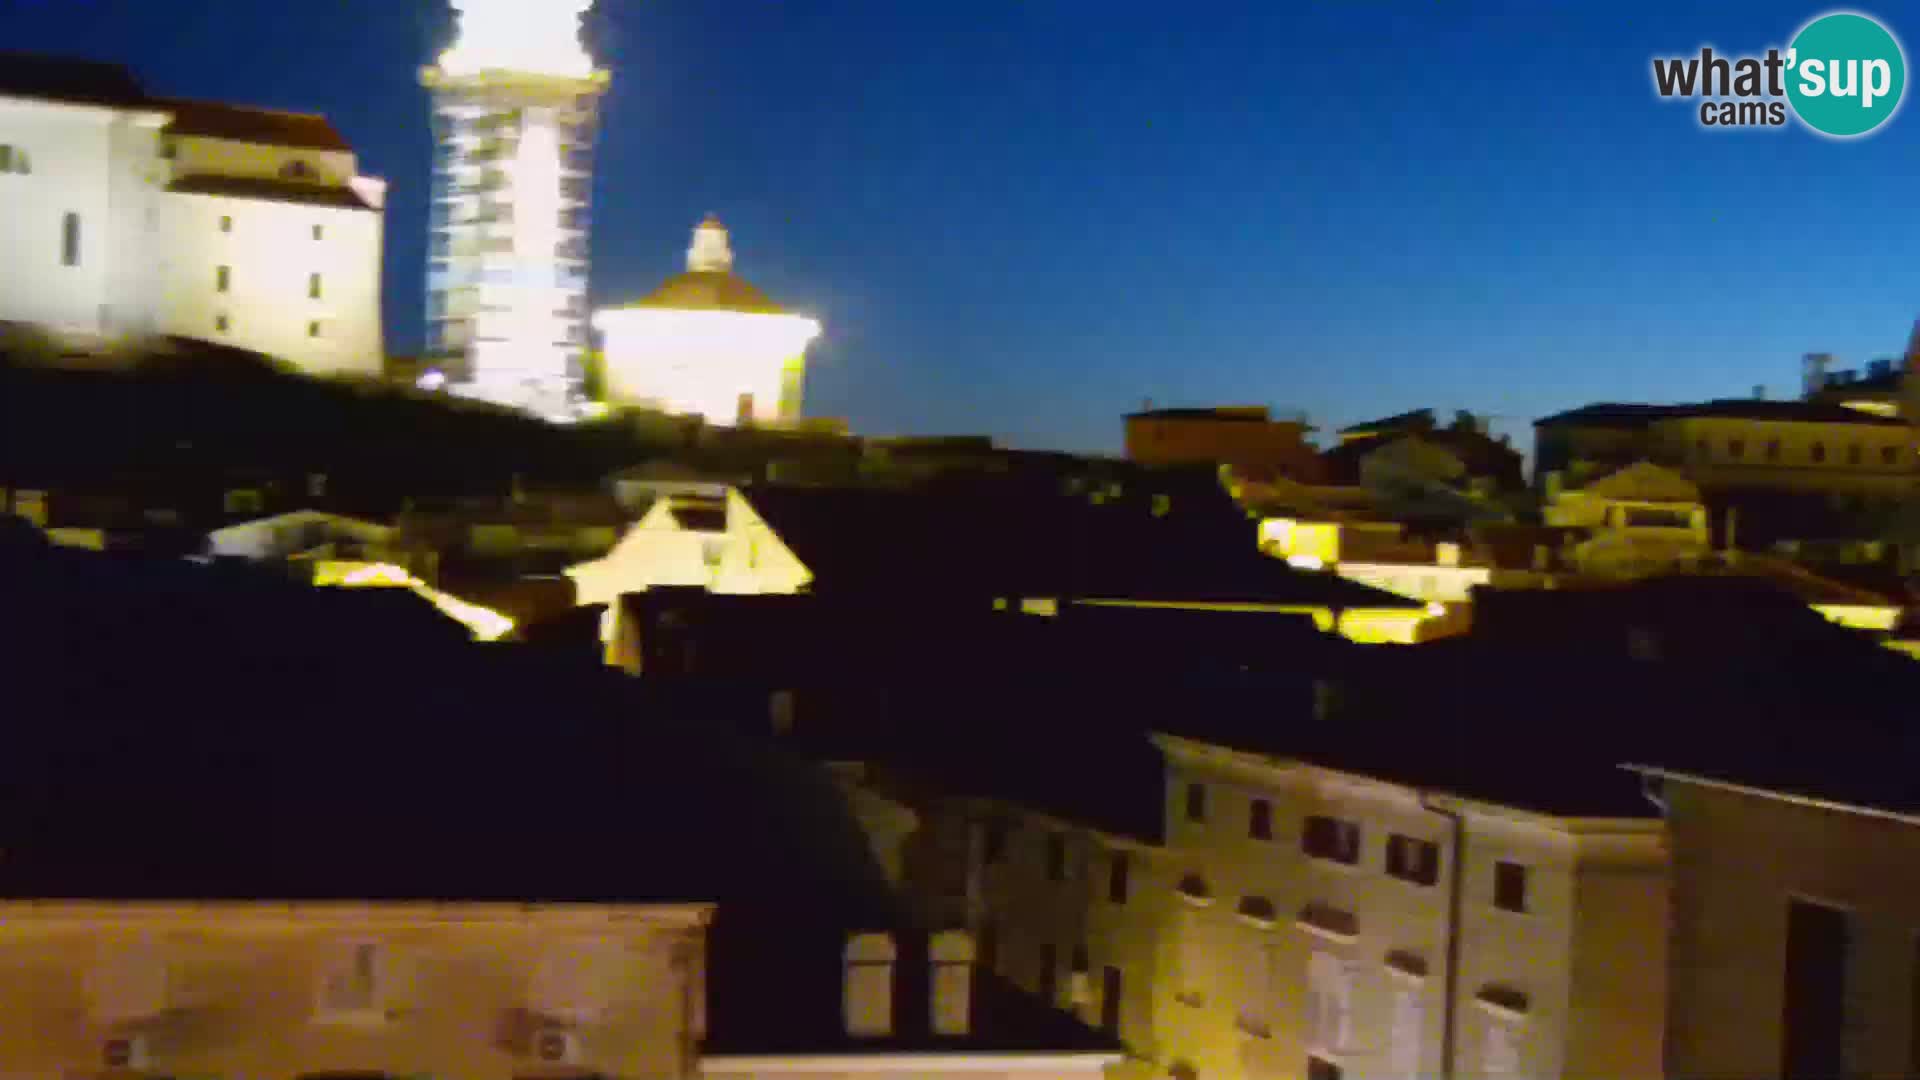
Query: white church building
<point>708,344</point>
<point>124,215</point>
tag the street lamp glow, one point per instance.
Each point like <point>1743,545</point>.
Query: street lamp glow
<point>540,37</point>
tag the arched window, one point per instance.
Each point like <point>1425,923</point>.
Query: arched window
<point>70,240</point>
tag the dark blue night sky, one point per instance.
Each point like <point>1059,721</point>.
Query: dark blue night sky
<point>1023,217</point>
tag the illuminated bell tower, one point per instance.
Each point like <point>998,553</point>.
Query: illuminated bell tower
<point>515,108</point>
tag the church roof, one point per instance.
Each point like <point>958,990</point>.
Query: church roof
<point>265,127</point>
<point>710,290</point>
<point>79,82</point>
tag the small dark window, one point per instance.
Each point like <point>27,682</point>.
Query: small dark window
<point>226,224</point>
<point>1049,973</point>
<point>70,240</point>
<point>169,149</point>
<point>1414,860</point>
<point>313,329</point>
<point>1773,449</point>
<point>319,232</point>
<point>996,842</point>
<point>1332,839</point>
<point>1818,453</point>
<point>296,170</point>
<point>313,286</point>
<point>1510,886</point>
<point>221,322</point>
<point>1056,857</point>
<point>1110,1000</point>
<point>1853,454</point>
<point>1117,878</point>
<point>223,279</point>
<point>1890,454</point>
<point>1736,447</point>
<point>1260,820</point>
<point>1081,965</point>
<point>1196,802</point>
<point>1702,447</point>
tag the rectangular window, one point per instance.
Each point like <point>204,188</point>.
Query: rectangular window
<point>1196,802</point>
<point>319,232</point>
<point>221,323</point>
<point>223,279</point>
<point>1049,984</point>
<point>226,224</point>
<point>353,986</point>
<point>1260,820</point>
<point>313,286</point>
<point>1814,1012</point>
<point>1414,860</point>
<point>1110,1000</point>
<point>1117,878</point>
<point>1056,856</point>
<point>70,240</point>
<point>1332,839</point>
<point>313,329</point>
<point>1510,886</point>
<point>996,842</point>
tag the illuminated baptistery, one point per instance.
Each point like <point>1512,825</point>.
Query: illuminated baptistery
<point>515,107</point>
<point>708,344</point>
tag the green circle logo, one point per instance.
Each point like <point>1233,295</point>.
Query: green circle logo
<point>1846,75</point>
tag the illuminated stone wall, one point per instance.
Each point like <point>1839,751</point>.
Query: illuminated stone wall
<point>278,990</point>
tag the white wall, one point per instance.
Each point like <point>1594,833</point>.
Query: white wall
<point>271,251</point>
<point>699,363</point>
<point>81,159</point>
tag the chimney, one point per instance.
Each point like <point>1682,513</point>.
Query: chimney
<point>951,959</point>
<point>868,1000</point>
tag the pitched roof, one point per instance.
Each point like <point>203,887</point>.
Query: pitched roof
<point>710,290</point>
<point>1042,546</point>
<point>244,123</point>
<point>65,79</point>
<point>1233,414</point>
<point>1607,414</point>
<point>338,197</point>
<point>1805,412</point>
<point>1414,420</point>
<point>1636,416</point>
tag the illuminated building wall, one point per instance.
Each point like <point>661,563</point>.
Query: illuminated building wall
<point>290,989</point>
<point>1247,945</point>
<point>515,109</point>
<point>708,344</point>
<point>126,215</point>
<point>271,241</point>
